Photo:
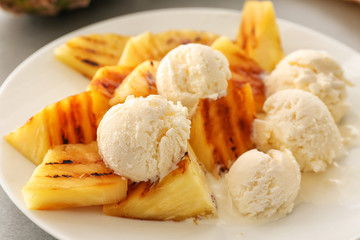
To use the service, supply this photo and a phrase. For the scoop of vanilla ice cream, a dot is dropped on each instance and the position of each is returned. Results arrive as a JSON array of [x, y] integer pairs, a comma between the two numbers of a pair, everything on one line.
[[299, 121], [264, 185], [143, 138], [312, 71], [190, 72]]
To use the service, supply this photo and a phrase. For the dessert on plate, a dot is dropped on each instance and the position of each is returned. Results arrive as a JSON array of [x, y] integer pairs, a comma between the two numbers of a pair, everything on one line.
[[163, 111]]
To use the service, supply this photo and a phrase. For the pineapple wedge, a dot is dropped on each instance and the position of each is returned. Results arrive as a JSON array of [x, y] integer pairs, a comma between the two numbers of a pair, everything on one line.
[[173, 38], [87, 54], [182, 194], [139, 49], [107, 79], [140, 83], [259, 35], [243, 69], [71, 120], [73, 175], [221, 129]]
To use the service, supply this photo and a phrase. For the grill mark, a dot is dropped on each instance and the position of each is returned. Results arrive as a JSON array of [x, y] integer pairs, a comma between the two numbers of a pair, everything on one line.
[[213, 131], [204, 106], [170, 41], [239, 107], [247, 65], [110, 80], [150, 80], [91, 117], [185, 41], [64, 139], [63, 123], [75, 115], [243, 35], [93, 40], [183, 164], [67, 161], [72, 122], [59, 176], [96, 174], [146, 188], [90, 62], [90, 51], [253, 35], [249, 72], [87, 175], [244, 120], [223, 115]]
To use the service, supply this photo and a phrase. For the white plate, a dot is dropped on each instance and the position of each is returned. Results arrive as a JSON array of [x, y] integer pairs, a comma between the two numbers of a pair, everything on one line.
[[41, 80]]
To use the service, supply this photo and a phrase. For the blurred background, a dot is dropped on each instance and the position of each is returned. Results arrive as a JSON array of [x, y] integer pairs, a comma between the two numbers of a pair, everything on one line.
[[21, 35]]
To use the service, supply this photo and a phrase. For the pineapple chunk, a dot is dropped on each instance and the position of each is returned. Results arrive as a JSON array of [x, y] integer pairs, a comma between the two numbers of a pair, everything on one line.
[[107, 79], [221, 129], [244, 70], [140, 83], [87, 54], [73, 175], [139, 49], [259, 35], [182, 194], [71, 120], [173, 38]]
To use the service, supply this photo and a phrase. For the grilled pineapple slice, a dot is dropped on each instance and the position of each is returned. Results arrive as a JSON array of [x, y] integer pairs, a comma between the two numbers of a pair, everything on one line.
[[87, 54], [221, 129], [71, 120], [73, 175], [140, 83], [259, 35], [244, 70], [107, 79], [171, 39], [182, 194]]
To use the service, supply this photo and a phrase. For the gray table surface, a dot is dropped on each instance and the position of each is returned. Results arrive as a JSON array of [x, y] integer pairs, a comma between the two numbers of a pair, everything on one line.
[[22, 36]]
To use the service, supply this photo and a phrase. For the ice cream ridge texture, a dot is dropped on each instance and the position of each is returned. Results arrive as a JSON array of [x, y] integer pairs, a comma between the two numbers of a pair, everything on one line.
[[315, 72], [191, 72], [299, 121], [264, 185], [144, 138]]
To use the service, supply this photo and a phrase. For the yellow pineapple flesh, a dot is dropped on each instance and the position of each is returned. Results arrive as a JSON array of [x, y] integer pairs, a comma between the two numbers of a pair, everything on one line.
[[107, 79], [71, 120], [182, 194], [73, 175], [87, 54], [139, 49], [171, 39], [243, 69], [221, 129], [140, 83], [259, 35]]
